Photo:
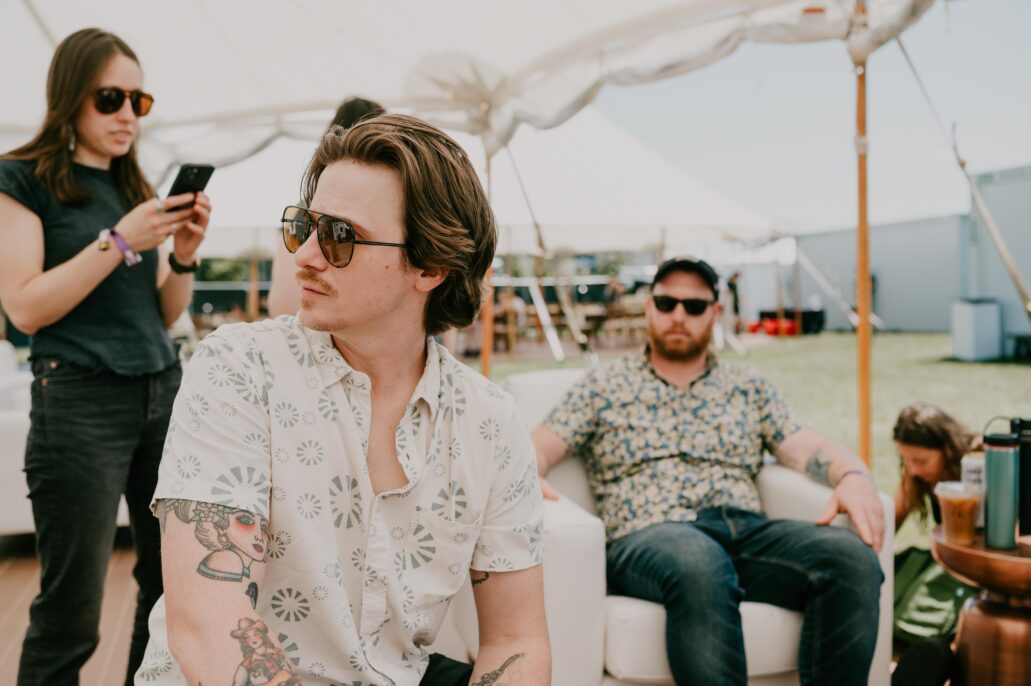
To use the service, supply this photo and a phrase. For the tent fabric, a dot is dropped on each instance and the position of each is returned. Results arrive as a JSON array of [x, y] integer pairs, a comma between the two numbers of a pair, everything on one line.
[[593, 187], [231, 75]]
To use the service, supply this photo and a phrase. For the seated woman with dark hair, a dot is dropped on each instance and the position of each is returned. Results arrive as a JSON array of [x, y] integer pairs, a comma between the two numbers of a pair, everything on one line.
[[931, 445]]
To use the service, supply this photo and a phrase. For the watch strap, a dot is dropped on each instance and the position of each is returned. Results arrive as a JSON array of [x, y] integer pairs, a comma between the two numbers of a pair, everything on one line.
[[180, 268]]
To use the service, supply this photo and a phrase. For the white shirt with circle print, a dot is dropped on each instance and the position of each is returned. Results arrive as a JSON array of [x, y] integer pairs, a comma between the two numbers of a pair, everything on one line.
[[271, 419]]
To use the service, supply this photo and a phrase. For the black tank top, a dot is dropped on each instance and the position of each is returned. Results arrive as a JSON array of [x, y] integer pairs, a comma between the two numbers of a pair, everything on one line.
[[118, 326]]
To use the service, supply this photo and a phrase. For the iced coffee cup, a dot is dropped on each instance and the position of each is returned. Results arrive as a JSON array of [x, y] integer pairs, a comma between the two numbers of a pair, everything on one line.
[[958, 503]]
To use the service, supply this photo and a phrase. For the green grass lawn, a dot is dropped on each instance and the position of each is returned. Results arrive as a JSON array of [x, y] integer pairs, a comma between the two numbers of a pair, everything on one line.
[[818, 376]]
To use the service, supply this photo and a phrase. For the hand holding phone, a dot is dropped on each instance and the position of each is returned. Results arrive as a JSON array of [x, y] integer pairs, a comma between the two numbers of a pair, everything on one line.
[[192, 178]]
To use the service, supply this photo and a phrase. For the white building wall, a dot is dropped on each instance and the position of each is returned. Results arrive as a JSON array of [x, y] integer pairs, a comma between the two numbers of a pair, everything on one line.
[[915, 265], [1008, 195]]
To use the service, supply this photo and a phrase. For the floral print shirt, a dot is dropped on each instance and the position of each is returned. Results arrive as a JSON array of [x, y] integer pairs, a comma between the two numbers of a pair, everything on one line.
[[655, 454], [271, 419]]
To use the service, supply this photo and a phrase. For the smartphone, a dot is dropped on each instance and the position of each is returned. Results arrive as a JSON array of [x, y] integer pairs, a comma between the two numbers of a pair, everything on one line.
[[192, 178]]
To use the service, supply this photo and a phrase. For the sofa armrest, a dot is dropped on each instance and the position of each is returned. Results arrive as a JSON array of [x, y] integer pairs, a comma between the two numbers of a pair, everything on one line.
[[574, 595], [787, 494]]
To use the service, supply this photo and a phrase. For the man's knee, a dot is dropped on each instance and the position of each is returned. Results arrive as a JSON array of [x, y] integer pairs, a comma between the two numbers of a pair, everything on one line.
[[845, 558]]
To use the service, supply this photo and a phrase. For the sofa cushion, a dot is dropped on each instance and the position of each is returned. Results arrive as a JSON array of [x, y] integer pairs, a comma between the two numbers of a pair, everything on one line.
[[635, 639]]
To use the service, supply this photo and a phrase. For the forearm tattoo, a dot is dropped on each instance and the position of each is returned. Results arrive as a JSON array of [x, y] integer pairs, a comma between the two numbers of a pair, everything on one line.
[[493, 677], [819, 467], [263, 661], [477, 580], [236, 538]]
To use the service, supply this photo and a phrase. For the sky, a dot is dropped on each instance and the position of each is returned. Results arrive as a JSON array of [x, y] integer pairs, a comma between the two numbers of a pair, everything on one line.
[[773, 125]]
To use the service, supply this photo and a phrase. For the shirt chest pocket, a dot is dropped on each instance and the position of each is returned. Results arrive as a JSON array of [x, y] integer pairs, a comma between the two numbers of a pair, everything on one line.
[[437, 555]]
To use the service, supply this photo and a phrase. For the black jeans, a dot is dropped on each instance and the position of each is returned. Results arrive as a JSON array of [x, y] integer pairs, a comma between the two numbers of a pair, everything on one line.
[[703, 570], [443, 671], [94, 436]]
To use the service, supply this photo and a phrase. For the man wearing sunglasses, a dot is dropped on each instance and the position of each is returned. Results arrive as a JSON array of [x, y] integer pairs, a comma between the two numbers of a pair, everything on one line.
[[332, 478], [672, 440]]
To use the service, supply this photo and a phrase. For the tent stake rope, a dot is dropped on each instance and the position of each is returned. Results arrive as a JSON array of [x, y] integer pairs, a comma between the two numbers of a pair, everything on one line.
[[982, 207]]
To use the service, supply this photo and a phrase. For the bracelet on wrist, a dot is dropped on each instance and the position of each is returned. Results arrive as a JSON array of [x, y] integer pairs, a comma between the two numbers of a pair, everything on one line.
[[180, 268], [129, 256], [860, 472]]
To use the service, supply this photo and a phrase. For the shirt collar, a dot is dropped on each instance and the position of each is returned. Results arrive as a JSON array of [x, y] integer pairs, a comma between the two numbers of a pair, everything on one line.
[[644, 360], [332, 367]]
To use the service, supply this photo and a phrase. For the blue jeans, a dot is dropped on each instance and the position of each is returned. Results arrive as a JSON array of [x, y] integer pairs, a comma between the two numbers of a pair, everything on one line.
[[94, 435], [701, 571]]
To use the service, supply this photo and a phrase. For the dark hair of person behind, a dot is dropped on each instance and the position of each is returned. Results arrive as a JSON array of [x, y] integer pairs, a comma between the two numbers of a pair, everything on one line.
[[73, 76], [449, 225], [353, 110], [927, 426]]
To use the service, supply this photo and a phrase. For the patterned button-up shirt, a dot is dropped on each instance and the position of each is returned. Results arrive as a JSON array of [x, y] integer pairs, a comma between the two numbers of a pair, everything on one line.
[[271, 419], [657, 454]]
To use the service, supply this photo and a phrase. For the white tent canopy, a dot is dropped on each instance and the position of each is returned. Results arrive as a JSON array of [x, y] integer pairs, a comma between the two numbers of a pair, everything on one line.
[[592, 186], [229, 75]]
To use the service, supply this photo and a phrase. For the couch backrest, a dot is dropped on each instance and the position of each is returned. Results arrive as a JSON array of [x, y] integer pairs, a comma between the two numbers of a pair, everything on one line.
[[536, 393]]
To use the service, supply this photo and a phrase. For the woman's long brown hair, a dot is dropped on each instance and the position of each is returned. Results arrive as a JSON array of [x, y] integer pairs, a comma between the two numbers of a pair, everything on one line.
[[927, 426], [73, 75]]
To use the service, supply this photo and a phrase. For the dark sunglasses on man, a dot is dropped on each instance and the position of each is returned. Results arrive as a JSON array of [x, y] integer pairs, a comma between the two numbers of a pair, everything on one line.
[[336, 236], [692, 306], [110, 100]]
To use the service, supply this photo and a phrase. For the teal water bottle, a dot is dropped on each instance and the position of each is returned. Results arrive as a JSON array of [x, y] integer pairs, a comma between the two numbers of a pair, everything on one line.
[[1002, 468]]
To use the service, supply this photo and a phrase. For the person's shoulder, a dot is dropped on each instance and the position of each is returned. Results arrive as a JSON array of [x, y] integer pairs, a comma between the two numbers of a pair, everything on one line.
[[19, 176], [242, 340], [743, 375], [474, 388]]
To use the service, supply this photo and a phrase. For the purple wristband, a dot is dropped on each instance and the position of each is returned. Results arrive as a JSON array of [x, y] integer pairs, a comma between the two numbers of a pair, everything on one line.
[[130, 256]]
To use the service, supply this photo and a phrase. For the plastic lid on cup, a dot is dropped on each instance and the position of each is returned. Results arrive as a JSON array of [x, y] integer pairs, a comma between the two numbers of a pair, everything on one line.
[[1002, 440], [956, 489]]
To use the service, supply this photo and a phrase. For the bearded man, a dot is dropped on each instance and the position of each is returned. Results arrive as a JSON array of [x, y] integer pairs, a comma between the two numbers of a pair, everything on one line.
[[672, 440]]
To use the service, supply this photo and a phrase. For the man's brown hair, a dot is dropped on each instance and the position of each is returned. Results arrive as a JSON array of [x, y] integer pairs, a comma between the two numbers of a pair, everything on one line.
[[448, 223]]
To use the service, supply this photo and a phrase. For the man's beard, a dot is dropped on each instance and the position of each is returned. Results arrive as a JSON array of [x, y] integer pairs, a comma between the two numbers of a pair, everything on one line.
[[683, 350]]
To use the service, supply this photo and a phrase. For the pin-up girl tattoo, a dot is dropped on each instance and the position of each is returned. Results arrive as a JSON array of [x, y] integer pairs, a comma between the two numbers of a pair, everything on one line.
[[236, 538]]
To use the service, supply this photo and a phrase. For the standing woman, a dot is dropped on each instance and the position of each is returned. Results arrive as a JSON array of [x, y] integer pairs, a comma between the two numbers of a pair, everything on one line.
[[84, 272]]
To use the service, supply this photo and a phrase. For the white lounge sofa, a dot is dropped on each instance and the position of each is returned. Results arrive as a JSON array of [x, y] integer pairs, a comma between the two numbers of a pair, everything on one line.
[[619, 641], [15, 399]]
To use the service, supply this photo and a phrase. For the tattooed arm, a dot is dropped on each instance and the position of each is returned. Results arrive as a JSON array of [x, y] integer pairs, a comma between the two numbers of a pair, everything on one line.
[[213, 561], [834, 465], [514, 646]]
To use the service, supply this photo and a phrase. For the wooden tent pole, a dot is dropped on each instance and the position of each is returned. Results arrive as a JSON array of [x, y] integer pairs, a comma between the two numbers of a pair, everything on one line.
[[863, 289]]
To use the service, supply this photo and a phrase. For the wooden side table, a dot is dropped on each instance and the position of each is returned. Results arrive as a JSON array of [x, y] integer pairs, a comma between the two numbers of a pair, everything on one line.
[[994, 634]]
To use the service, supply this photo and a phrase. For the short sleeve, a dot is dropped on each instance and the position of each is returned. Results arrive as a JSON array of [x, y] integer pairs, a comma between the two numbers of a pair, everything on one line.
[[575, 418], [18, 180], [511, 536], [217, 446], [776, 418]]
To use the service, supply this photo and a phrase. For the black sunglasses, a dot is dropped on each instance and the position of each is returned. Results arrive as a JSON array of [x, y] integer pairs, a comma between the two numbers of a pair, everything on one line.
[[110, 100], [336, 236], [692, 306]]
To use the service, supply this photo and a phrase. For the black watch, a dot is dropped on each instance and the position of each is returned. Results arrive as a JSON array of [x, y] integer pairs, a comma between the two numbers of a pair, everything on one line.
[[182, 268]]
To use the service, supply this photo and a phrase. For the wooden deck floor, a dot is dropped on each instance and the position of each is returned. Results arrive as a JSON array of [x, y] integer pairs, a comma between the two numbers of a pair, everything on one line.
[[19, 584]]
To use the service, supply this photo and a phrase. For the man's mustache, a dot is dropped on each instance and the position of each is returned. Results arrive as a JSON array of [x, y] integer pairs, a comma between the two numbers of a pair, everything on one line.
[[308, 278]]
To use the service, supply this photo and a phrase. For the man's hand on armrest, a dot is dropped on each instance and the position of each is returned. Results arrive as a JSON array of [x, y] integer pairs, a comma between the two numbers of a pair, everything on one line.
[[832, 464], [213, 561], [514, 645], [550, 449]]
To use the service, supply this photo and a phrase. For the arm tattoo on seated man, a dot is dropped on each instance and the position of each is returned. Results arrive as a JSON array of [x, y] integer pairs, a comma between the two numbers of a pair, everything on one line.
[[236, 539], [819, 467], [478, 580], [493, 677]]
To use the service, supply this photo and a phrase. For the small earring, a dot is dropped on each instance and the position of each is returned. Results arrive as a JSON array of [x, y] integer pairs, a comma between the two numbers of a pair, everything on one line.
[[71, 138]]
